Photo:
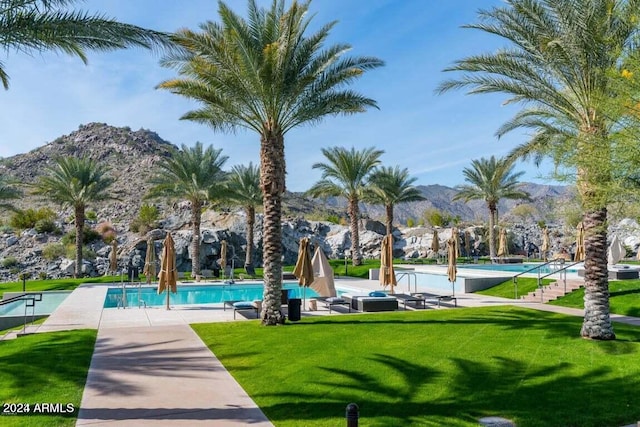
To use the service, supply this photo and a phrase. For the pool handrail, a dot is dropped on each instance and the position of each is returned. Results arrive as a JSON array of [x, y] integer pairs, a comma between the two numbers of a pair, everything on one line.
[[30, 299], [560, 261]]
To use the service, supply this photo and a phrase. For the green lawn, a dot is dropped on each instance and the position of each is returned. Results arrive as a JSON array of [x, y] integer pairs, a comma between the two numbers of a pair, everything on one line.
[[54, 284], [506, 289], [624, 298], [45, 368], [434, 368]]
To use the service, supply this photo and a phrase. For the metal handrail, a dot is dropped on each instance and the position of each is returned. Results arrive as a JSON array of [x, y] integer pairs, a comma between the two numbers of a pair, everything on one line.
[[409, 275], [30, 300], [563, 277], [560, 261]]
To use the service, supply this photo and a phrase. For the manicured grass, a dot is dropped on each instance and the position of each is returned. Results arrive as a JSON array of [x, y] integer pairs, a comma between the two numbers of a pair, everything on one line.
[[45, 368], [506, 289], [54, 284], [624, 298], [434, 368]]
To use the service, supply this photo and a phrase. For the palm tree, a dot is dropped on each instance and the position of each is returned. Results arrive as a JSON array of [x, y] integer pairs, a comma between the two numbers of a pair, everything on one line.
[[391, 186], [490, 180], [346, 174], [560, 64], [75, 182], [37, 25], [7, 192], [196, 175], [244, 189], [264, 73]]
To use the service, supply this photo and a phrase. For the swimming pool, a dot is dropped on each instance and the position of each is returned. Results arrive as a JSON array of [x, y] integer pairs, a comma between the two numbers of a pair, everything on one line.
[[514, 268], [50, 301], [197, 294]]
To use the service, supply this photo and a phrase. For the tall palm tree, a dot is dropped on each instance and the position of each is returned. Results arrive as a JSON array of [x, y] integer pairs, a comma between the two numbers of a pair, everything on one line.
[[38, 25], [194, 174], [8, 192], [75, 182], [559, 64], [266, 73], [346, 174], [490, 180], [244, 189], [391, 186]]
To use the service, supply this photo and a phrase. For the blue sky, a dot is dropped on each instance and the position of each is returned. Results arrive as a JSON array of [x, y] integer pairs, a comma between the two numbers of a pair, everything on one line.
[[434, 136]]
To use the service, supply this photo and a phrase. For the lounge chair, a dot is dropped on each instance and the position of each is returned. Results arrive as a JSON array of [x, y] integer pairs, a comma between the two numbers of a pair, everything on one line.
[[243, 306], [330, 302], [405, 298]]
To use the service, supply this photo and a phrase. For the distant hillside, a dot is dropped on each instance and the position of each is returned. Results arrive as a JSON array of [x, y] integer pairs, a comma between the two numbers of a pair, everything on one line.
[[131, 155]]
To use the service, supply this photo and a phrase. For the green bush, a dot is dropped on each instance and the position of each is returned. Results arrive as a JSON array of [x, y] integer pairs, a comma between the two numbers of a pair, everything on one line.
[[86, 252], [147, 219], [411, 222], [24, 219], [9, 262], [333, 218], [88, 235], [91, 216], [436, 218], [45, 226], [6, 229], [54, 251]]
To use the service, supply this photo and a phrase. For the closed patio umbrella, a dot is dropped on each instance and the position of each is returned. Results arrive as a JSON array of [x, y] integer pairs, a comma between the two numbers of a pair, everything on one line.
[[451, 268], [435, 243], [223, 257], [544, 248], [303, 269], [503, 249], [456, 236], [323, 282], [150, 269], [617, 251], [168, 277], [579, 256], [387, 275], [113, 259]]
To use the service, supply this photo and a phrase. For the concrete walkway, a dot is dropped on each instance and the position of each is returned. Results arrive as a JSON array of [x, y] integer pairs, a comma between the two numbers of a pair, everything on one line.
[[149, 368]]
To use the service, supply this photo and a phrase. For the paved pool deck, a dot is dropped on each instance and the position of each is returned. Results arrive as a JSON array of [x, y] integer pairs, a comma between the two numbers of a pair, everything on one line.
[[149, 368]]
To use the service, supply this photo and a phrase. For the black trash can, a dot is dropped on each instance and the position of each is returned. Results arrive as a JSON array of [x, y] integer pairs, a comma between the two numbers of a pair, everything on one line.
[[133, 273], [294, 308]]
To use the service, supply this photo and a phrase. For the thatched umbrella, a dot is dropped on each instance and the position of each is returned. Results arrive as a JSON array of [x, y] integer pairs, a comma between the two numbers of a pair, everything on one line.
[[451, 268], [168, 277], [503, 247], [387, 275], [150, 269], [303, 269], [579, 256]]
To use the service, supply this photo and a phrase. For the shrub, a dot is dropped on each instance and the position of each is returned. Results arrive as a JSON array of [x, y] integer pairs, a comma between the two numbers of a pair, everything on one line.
[[333, 218], [53, 251], [147, 219], [91, 216], [106, 231], [436, 218], [6, 229], [88, 235], [411, 222], [45, 226], [86, 252], [42, 275], [9, 262], [28, 218]]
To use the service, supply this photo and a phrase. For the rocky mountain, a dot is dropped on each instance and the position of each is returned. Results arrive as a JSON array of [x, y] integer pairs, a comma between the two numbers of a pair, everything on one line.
[[131, 156]]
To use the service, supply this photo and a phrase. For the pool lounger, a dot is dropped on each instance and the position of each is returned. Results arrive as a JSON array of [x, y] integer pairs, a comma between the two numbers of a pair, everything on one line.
[[438, 298], [242, 306], [329, 302], [416, 300]]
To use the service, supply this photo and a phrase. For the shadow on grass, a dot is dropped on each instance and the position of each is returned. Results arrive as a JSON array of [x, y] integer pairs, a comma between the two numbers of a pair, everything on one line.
[[546, 395]]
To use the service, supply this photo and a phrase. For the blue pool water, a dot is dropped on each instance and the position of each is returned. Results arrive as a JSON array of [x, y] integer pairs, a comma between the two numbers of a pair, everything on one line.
[[514, 268], [50, 301], [198, 294]]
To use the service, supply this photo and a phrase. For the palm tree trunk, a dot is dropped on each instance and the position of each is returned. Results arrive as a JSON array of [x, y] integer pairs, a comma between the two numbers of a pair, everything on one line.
[[272, 183], [251, 221], [389, 209], [597, 322], [354, 214], [79, 213], [492, 231], [196, 219]]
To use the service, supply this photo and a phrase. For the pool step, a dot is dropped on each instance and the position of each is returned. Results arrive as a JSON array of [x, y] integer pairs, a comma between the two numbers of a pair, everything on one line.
[[13, 334], [553, 291]]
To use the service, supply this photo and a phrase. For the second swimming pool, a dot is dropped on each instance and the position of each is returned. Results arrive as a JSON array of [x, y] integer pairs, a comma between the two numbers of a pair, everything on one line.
[[197, 294]]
